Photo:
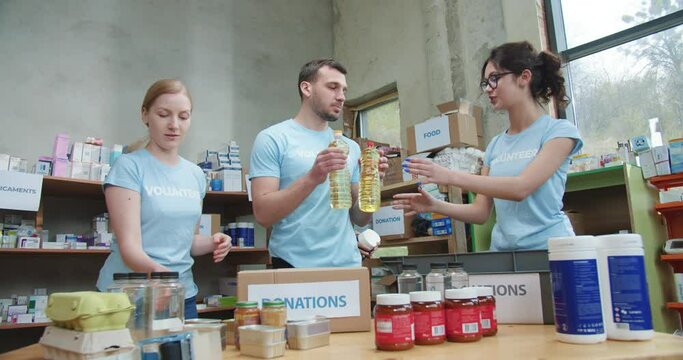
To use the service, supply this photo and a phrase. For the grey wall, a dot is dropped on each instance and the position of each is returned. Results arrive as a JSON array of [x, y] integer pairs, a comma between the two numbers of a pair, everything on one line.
[[83, 66], [432, 49]]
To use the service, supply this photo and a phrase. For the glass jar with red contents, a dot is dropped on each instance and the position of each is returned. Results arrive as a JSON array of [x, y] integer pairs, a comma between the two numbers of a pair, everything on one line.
[[394, 323], [462, 315], [487, 305], [430, 317]]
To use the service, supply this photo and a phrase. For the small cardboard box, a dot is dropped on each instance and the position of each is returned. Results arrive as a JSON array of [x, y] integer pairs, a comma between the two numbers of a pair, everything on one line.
[[460, 125], [395, 173], [341, 294], [392, 224], [209, 224]]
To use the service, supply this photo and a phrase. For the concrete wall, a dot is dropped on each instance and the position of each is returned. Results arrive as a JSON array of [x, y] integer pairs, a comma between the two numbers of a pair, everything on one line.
[[83, 66], [432, 49]]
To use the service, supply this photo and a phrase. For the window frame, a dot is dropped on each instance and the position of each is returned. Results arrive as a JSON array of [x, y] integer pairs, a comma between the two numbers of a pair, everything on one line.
[[360, 126], [558, 44]]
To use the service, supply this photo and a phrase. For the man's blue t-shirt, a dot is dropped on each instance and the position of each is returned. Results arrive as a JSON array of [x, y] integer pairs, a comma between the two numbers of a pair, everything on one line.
[[170, 207], [527, 224], [314, 234]]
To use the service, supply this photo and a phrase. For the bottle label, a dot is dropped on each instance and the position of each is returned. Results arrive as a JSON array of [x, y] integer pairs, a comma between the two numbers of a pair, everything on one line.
[[628, 289], [392, 329], [429, 324], [463, 321], [576, 296], [488, 317]]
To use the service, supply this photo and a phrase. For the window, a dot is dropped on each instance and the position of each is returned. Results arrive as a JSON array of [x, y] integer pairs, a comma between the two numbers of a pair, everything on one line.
[[379, 120], [624, 67]]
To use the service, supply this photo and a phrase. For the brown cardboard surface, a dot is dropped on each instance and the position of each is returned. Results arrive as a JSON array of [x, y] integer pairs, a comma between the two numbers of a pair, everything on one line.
[[462, 132], [394, 173], [287, 276]]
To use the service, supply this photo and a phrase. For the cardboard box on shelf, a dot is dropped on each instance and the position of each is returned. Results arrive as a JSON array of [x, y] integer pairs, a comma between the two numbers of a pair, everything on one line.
[[460, 125], [209, 224], [392, 224], [341, 294], [395, 173]]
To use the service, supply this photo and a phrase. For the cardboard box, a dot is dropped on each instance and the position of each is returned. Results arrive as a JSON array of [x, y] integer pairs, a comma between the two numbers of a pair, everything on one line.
[[209, 224], [460, 125], [395, 173], [392, 224], [341, 294]]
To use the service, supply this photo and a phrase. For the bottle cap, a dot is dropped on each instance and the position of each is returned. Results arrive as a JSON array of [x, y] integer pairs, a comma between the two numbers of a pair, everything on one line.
[[425, 296], [393, 299]]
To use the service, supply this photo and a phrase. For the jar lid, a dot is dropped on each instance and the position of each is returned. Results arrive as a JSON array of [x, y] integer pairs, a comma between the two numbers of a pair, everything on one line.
[[619, 241], [120, 276], [463, 293], [137, 276], [273, 303], [243, 304], [393, 299], [572, 243], [439, 265], [456, 264], [484, 291], [424, 296]]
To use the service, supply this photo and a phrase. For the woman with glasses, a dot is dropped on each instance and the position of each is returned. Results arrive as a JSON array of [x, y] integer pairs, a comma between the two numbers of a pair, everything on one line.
[[525, 167]]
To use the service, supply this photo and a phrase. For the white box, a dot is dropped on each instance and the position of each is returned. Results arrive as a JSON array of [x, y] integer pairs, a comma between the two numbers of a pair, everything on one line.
[[29, 242], [388, 221], [647, 164], [232, 179], [23, 318], [105, 153], [77, 152], [87, 155], [95, 171], [4, 162], [14, 163], [80, 170], [660, 153], [663, 168], [54, 245]]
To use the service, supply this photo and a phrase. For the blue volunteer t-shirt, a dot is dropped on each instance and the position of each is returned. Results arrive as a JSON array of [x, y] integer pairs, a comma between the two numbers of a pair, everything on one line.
[[527, 224], [170, 207], [314, 234]]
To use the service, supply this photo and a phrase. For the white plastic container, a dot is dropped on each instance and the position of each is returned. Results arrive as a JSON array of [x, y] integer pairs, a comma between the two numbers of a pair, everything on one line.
[[369, 239], [264, 351], [64, 344], [308, 334], [577, 299], [206, 340], [625, 298]]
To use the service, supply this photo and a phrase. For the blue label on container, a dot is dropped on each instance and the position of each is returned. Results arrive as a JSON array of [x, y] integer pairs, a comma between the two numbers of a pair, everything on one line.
[[576, 296], [628, 288]]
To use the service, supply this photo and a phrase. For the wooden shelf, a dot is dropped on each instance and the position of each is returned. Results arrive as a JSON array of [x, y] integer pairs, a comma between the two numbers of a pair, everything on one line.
[[248, 249], [9, 326], [415, 240], [669, 207], [667, 181], [67, 187], [676, 261], [398, 188], [52, 251], [223, 196], [211, 309]]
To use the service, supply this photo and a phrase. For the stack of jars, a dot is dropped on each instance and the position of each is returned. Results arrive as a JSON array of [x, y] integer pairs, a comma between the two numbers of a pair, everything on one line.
[[261, 332], [424, 318]]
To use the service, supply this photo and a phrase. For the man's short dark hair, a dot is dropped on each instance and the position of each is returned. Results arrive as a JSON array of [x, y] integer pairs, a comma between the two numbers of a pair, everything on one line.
[[310, 70]]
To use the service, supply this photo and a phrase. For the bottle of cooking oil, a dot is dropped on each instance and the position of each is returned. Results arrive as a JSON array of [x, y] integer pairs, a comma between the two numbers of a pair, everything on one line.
[[340, 180], [369, 193]]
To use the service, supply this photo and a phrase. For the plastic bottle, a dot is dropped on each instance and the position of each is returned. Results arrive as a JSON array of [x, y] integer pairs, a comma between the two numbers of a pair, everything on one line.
[[340, 180], [120, 280], [370, 187], [409, 279], [625, 298], [168, 302], [139, 294], [577, 297], [456, 276], [436, 279]]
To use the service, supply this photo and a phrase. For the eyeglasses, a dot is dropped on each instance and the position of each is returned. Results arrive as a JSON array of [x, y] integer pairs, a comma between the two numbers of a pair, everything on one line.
[[492, 80]]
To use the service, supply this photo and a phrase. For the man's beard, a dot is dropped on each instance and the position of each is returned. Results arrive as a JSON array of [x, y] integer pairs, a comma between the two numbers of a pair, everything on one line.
[[317, 109]]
